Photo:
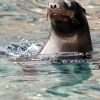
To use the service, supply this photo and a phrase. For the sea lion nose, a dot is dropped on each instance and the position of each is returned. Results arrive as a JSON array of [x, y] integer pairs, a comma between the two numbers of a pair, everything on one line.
[[53, 5]]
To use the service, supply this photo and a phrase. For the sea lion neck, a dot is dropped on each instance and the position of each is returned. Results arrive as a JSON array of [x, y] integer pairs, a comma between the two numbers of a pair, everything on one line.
[[63, 29], [56, 44]]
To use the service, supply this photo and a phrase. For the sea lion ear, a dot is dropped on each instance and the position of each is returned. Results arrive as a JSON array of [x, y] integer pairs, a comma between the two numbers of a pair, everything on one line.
[[84, 11]]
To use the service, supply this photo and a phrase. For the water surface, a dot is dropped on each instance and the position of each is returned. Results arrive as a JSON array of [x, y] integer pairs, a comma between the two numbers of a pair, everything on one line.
[[23, 23]]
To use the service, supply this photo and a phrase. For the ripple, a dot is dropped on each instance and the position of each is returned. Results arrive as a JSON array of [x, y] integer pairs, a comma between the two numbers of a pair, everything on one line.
[[40, 3], [42, 79], [94, 3], [7, 67]]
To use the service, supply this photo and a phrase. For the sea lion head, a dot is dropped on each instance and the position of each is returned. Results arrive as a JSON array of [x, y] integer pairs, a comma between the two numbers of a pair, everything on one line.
[[67, 17]]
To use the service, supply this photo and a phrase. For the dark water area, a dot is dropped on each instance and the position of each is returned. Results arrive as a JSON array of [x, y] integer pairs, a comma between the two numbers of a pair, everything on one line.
[[23, 27]]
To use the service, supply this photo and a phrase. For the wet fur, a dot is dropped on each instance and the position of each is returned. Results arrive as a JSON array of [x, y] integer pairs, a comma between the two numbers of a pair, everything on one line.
[[70, 29]]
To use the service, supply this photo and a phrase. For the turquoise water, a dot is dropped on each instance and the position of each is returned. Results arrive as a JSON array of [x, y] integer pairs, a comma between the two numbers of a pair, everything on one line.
[[23, 23]]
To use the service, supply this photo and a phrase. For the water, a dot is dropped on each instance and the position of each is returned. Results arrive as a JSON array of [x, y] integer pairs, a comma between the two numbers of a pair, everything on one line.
[[22, 24]]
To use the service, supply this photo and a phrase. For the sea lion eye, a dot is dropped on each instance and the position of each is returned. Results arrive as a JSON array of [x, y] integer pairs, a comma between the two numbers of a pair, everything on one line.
[[72, 7], [68, 3]]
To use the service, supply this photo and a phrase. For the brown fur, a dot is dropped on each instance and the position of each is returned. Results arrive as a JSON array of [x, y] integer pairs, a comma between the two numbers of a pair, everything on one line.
[[70, 29]]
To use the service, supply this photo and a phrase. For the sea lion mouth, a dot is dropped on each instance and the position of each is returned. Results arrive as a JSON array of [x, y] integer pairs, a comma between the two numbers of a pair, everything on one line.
[[59, 16]]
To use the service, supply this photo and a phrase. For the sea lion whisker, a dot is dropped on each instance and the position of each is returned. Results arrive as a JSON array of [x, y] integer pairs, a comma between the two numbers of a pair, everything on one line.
[[76, 20]]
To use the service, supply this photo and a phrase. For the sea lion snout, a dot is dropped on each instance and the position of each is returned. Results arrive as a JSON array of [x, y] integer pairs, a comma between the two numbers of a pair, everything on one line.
[[61, 10], [57, 3]]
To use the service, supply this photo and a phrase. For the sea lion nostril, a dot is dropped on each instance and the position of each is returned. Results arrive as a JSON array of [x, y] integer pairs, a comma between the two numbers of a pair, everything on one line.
[[55, 6], [51, 6]]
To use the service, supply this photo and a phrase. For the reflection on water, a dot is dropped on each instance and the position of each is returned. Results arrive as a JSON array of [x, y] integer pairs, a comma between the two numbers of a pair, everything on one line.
[[22, 24], [71, 75]]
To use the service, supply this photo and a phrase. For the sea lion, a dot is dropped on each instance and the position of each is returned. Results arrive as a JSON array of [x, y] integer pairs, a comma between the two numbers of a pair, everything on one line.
[[70, 29]]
